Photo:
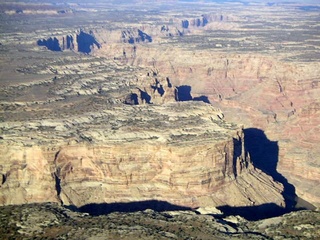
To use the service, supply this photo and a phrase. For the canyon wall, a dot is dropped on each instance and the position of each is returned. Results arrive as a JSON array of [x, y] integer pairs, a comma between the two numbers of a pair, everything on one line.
[[197, 174], [277, 96], [112, 80], [180, 152], [267, 92], [122, 134]]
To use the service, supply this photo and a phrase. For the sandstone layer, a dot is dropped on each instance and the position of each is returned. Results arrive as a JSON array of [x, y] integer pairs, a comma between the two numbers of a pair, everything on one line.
[[182, 153], [104, 109], [269, 84], [102, 132]]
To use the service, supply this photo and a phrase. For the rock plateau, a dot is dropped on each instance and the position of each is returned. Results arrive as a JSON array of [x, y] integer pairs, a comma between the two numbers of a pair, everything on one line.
[[192, 108]]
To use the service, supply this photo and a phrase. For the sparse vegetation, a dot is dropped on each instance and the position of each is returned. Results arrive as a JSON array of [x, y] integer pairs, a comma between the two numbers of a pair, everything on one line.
[[64, 224]]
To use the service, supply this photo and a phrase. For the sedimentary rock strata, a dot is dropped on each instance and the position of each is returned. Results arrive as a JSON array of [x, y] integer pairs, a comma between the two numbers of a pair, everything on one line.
[[100, 132], [130, 114], [177, 152]]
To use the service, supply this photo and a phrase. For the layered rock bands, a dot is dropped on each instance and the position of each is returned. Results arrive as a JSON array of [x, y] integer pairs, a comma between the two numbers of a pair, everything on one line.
[[199, 162]]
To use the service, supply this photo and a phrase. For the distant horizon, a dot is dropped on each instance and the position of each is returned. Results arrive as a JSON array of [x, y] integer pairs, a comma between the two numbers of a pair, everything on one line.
[[203, 1]]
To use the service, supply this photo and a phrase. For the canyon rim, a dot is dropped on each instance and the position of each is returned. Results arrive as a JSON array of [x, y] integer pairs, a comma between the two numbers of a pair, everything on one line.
[[172, 104]]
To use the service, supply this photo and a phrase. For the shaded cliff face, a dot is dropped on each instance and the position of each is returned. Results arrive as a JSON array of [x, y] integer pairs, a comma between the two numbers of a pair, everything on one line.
[[50, 43], [86, 42], [82, 42]]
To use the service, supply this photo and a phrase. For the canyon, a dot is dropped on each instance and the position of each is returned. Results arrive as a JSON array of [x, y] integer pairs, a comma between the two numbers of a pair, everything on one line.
[[177, 151], [186, 104]]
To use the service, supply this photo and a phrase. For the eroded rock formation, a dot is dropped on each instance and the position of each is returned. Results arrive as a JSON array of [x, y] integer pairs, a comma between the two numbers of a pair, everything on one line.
[[81, 42], [27, 176], [67, 109], [146, 158], [181, 152]]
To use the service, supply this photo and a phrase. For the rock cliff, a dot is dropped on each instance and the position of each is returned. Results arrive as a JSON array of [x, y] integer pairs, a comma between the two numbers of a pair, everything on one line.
[[94, 143], [254, 89], [81, 42], [182, 153], [145, 85]]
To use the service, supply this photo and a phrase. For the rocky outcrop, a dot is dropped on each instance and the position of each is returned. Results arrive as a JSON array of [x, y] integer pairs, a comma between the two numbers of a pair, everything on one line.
[[164, 146], [183, 153], [129, 172], [198, 22], [135, 36], [54, 221], [155, 89], [81, 42], [26, 176], [50, 43]]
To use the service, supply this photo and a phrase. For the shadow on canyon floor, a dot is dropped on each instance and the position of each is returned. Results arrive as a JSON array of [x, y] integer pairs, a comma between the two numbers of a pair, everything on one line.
[[264, 155], [254, 213], [96, 209], [183, 93]]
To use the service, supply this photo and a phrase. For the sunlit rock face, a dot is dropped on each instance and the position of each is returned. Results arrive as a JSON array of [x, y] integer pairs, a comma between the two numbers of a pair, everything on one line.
[[197, 174], [26, 176], [187, 176], [108, 146], [180, 152]]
